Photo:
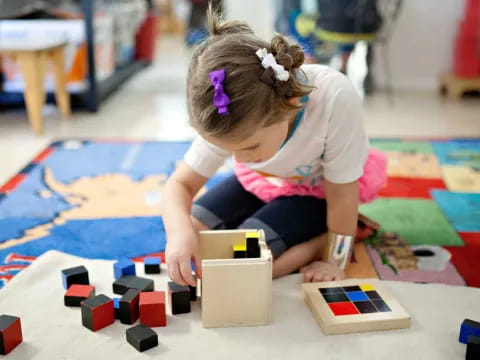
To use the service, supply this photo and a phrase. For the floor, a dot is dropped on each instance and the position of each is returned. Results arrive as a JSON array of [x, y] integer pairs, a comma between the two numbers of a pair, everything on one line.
[[152, 106]]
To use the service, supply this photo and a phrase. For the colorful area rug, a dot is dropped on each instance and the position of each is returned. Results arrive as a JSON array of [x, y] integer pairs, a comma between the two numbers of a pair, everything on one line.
[[102, 199]]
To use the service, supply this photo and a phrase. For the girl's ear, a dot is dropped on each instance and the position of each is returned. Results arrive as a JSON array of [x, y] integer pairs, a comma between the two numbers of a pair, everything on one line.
[[294, 100]]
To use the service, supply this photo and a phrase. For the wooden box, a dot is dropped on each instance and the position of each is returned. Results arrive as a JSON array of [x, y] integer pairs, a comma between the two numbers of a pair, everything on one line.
[[234, 292]]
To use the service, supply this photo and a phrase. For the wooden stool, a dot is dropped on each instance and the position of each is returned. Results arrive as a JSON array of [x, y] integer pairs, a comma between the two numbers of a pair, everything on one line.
[[32, 59], [455, 86]]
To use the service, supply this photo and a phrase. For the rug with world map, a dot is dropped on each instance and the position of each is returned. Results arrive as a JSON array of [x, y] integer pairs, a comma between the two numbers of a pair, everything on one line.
[[103, 199]]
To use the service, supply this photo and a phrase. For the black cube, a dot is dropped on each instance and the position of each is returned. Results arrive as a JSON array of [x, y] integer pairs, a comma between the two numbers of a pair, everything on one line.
[[179, 298], [141, 337]]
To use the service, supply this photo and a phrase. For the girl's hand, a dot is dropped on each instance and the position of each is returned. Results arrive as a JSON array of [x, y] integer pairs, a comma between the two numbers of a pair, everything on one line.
[[321, 271], [182, 248]]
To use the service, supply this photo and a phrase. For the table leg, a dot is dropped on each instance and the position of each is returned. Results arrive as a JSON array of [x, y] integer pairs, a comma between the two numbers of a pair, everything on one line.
[[57, 57], [33, 71]]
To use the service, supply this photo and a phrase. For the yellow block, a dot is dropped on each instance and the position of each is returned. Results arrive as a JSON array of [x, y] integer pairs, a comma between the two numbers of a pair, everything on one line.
[[240, 247], [254, 235], [367, 287]]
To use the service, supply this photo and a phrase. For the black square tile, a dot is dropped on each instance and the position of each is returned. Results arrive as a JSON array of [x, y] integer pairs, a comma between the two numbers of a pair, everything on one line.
[[335, 297], [381, 305], [365, 307], [351, 288], [373, 295], [333, 290]]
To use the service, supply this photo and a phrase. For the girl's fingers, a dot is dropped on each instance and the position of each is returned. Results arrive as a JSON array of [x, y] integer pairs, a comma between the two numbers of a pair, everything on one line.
[[174, 273], [186, 273]]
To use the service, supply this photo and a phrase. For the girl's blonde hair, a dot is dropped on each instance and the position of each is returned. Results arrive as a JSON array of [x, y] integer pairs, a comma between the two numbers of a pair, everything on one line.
[[232, 46]]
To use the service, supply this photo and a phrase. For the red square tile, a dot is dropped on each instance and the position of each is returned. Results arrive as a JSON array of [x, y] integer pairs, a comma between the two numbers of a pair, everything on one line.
[[152, 308], [343, 308], [81, 290]]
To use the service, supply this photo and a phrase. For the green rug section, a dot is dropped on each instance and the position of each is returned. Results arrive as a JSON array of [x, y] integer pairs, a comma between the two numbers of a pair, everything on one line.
[[419, 222], [420, 147]]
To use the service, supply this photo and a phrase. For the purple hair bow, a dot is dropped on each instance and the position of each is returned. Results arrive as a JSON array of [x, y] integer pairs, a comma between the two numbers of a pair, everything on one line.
[[220, 99]]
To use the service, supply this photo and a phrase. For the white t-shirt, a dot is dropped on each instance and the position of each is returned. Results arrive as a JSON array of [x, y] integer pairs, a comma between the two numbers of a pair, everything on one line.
[[329, 142]]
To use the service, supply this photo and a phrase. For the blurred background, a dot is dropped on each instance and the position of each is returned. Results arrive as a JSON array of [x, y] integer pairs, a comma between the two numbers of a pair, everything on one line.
[[123, 64]]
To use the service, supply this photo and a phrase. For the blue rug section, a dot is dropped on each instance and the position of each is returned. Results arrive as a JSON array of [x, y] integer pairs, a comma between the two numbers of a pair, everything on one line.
[[465, 152], [461, 209], [107, 238], [104, 239]]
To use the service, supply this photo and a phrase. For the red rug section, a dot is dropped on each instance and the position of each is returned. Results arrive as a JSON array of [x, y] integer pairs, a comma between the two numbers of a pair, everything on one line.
[[466, 258], [417, 188]]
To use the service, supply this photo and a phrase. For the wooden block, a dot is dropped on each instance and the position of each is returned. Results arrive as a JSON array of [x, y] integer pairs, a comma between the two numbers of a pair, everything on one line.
[[152, 265], [193, 290], [97, 312], [123, 267], [239, 251], [121, 285], [141, 337], [152, 308], [10, 333], [473, 348], [468, 327], [77, 293], [116, 307], [179, 298], [253, 249], [235, 292], [129, 304], [349, 306], [75, 275]]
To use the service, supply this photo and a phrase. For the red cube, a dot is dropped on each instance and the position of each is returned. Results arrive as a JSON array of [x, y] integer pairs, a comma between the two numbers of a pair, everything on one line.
[[97, 312], [10, 333], [152, 308], [76, 293]]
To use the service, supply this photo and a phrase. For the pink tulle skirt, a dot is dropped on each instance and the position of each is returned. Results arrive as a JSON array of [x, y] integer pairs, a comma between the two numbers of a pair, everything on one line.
[[372, 181]]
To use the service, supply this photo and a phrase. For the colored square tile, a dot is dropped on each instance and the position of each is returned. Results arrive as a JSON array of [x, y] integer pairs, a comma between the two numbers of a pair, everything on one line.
[[461, 179], [413, 165], [336, 297], [152, 260], [351, 288], [457, 152], [419, 147], [365, 307], [461, 209], [373, 295], [366, 287], [418, 221], [345, 308], [381, 305], [357, 296], [410, 187], [332, 290]]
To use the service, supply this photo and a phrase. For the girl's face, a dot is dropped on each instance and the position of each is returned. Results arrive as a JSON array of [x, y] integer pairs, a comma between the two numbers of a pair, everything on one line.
[[259, 147]]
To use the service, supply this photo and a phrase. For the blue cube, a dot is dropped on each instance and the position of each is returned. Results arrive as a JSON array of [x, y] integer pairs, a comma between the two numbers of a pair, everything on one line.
[[116, 307], [469, 327], [152, 265], [123, 267], [75, 275]]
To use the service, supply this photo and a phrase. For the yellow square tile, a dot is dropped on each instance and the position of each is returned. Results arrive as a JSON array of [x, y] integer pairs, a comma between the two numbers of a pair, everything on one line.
[[367, 287], [240, 247], [254, 235]]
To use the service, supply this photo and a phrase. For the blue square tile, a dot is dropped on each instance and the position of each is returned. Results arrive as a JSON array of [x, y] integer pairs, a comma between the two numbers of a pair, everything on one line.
[[357, 296], [152, 261]]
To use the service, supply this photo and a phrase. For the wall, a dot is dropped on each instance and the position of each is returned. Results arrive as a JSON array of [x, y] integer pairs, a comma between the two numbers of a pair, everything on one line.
[[259, 14], [421, 46]]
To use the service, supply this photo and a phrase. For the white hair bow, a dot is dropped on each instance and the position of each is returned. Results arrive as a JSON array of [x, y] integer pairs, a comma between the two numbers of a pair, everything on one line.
[[268, 60]]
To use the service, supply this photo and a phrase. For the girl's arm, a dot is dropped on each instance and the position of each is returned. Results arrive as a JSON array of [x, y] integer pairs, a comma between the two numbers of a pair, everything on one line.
[[182, 239], [342, 207]]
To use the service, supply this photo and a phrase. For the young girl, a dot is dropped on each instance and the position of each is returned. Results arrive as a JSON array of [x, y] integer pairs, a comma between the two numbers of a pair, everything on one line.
[[302, 158]]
